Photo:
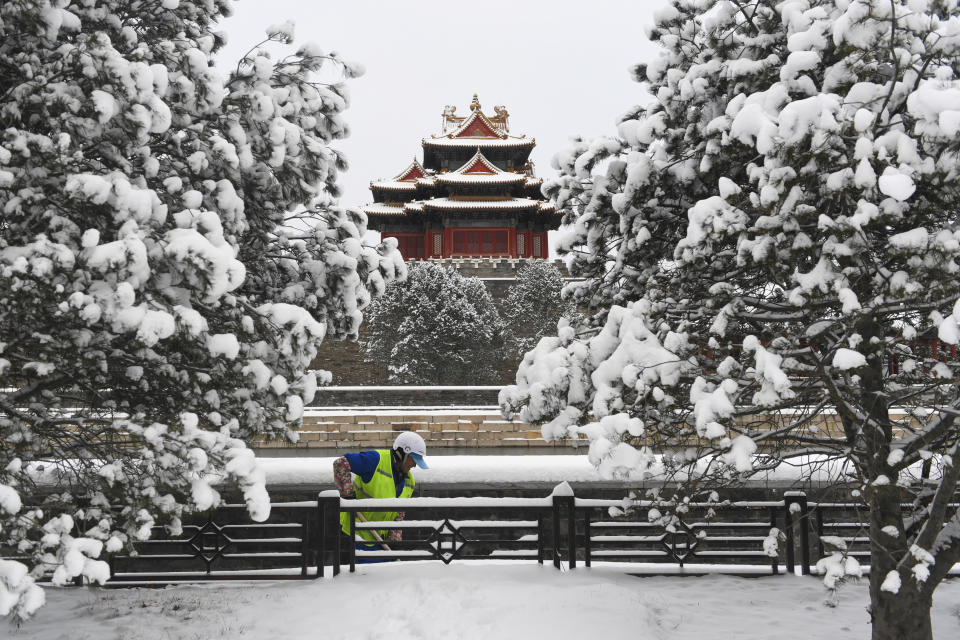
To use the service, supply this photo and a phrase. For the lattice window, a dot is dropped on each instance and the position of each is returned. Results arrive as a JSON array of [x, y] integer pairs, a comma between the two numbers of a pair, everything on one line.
[[476, 243], [521, 244], [411, 246], [537, 248], [437, 244]]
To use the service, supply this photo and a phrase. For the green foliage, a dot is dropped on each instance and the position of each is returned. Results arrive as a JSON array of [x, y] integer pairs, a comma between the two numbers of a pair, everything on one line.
[[437, 327], [533, 305]]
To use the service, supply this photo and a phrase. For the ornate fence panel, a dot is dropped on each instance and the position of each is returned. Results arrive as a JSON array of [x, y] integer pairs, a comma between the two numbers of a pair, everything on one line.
[[302, 539], [850, 523], [567, 530], [731, 535], [443, 529], [225, 545]]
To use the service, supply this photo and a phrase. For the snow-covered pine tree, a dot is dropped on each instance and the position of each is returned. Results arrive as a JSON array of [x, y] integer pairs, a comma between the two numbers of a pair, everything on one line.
[[169, 261], [775, 240], [437, 327], [533, 305]]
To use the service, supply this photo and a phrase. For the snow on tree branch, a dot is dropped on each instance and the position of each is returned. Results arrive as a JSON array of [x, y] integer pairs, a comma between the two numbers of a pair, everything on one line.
[[157, 307], [771, 249]]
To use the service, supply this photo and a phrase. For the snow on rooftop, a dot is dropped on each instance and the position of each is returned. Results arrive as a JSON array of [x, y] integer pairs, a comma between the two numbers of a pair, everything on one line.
[[381, 209], [512, 141], [485, 123], [479, 170], [481, 178], [449, 203], [394, 184]]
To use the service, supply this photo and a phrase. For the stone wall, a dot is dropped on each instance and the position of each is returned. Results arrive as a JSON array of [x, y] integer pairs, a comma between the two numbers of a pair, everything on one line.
[[332, 432], [405, 396], [457, 431]]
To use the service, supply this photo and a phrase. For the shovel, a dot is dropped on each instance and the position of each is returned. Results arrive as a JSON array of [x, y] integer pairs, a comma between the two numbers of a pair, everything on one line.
[[376, 536]]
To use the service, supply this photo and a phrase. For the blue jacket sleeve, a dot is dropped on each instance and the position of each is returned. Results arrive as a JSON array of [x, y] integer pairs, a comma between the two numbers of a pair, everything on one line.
[[363, 464]]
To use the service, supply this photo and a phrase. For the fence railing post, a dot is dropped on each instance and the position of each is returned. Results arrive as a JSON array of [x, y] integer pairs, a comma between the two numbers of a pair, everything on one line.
[[305, 547], [328, 524], [555, 545], [820, 550], [570, 503], [788, 532], [587, 549], [775, 560], [796, 502], [321, 535], [353, 541], [541, 534]]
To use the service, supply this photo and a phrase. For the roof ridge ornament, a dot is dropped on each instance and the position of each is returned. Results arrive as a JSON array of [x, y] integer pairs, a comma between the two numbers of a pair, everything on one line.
[[475, 105]]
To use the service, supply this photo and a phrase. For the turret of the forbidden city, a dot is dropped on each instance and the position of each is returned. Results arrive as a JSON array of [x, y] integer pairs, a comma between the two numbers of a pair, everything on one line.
[[474, 196]]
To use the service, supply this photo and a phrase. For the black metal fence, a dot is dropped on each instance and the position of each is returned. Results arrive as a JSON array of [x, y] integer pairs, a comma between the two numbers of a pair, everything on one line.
[[567, 530], [303, 540], [225, 545]]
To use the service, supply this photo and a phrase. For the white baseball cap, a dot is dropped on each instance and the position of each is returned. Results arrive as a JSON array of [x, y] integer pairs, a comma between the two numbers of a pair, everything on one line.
[[413, 445]]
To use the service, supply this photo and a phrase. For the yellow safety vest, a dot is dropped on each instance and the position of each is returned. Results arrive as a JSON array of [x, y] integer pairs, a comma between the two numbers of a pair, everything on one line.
[[381, 485]]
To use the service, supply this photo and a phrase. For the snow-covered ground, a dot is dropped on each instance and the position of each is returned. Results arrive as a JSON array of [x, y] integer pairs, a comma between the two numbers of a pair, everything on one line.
[[464, 601]]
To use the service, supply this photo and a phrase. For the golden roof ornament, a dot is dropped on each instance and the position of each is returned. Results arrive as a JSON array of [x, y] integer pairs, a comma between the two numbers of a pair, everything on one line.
[[475, 105]]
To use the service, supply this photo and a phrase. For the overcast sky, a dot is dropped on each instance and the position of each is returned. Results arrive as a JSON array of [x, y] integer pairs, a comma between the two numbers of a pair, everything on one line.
[[560, 67]]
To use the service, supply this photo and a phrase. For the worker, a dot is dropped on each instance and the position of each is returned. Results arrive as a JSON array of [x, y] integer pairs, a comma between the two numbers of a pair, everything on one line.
[[380, 473]]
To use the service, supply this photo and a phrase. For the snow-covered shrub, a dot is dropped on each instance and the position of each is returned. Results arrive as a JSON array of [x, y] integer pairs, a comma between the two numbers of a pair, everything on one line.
[[437, 327], [170, 258], [772, 246], [837, 566]]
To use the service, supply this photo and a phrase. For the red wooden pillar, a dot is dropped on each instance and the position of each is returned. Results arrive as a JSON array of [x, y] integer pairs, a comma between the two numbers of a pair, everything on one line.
[[512, 242]]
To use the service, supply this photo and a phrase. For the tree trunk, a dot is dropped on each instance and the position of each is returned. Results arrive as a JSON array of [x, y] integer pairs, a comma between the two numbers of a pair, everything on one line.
[[906, 614], [900, 616]]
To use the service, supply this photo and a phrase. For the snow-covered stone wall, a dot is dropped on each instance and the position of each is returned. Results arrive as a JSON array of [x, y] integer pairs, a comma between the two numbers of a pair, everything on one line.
[[453, 430]]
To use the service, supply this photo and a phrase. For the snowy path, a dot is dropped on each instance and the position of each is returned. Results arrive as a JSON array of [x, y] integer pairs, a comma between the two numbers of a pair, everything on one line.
[[488, 602]]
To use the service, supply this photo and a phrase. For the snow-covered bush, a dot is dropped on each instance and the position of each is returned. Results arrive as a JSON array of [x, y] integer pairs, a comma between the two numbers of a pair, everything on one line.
[[533, 305], [772, 246], [437, 327], [170, 258]]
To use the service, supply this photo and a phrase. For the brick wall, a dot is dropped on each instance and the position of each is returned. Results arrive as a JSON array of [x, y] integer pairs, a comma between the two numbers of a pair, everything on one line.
[[332, 433], [405, 396]]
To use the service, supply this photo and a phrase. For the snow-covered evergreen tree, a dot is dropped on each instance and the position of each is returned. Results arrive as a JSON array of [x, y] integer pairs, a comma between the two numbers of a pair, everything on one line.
[[772, 243], [170, 258], [533, 305], [437, 327]]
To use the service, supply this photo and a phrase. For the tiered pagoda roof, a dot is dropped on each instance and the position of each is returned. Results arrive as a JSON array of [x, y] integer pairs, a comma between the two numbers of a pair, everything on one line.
[[479, 170], [475, 174], [477, 130]]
